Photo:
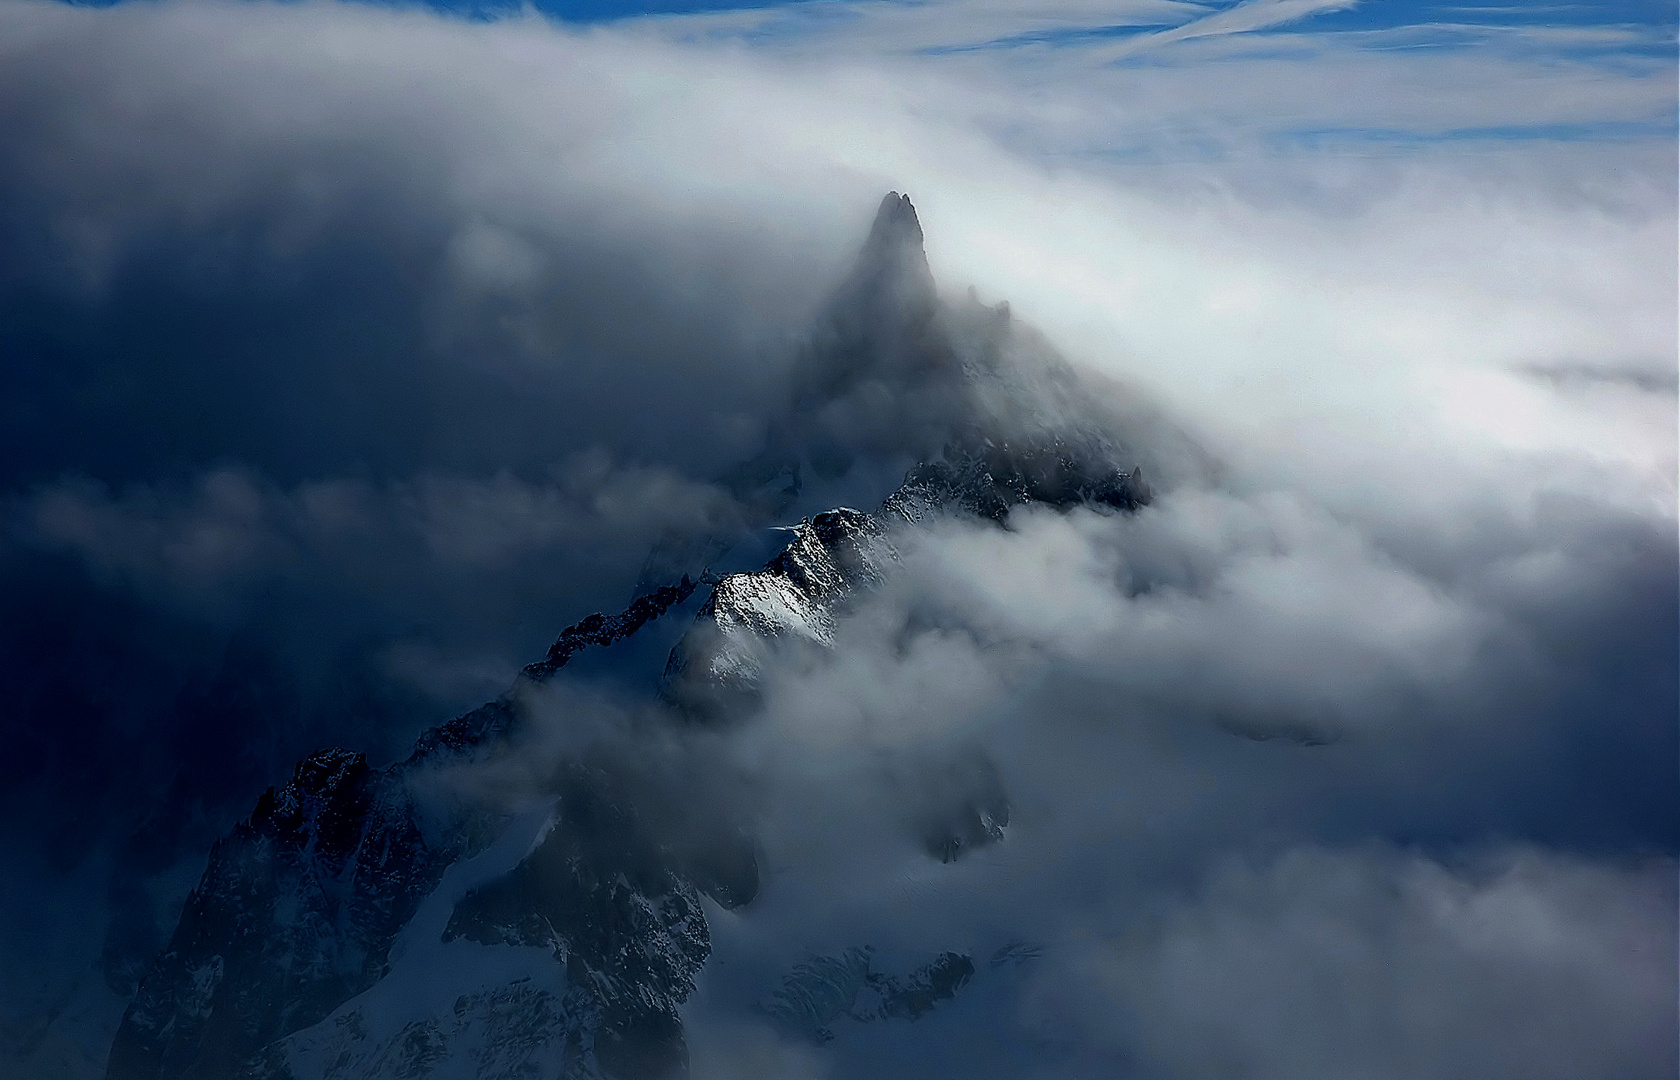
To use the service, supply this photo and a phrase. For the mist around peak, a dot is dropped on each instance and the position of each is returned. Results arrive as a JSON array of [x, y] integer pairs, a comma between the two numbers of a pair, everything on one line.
[[507, 570]]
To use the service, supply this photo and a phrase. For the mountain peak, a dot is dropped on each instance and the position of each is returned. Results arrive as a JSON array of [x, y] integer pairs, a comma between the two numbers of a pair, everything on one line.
[[896, 225], [878, 315], [893, 262]]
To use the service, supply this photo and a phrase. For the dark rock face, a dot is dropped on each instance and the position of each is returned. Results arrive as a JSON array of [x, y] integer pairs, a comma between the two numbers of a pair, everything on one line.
[[617, 913], [712, 672], [824, 990], [918, 993], [988, 480], [298, 908], [296, 913], [879, 324], [605, 630]]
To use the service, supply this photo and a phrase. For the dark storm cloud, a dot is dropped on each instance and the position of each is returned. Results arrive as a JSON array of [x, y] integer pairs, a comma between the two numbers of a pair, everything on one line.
[[308, 366], [324, 404], [231, 531], [281, 258]]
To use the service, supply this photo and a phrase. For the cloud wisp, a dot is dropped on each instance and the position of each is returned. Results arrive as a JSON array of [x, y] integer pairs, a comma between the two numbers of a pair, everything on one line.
[[1243, 18]]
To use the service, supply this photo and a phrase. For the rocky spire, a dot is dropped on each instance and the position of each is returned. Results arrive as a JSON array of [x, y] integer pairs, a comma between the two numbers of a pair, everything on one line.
[[890, 283], [893, 264], [876, 324]]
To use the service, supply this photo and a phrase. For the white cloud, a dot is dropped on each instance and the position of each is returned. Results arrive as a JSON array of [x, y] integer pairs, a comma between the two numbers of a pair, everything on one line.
[[1388, 965]]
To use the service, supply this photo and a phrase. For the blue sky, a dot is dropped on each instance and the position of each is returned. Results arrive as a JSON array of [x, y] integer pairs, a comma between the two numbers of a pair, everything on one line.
[[1620, 42], [1290, 72], [1369, 15], [1435, 24], [1584, 53]]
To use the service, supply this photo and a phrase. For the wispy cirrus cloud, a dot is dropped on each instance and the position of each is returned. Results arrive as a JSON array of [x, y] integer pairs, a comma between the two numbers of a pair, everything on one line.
[[896, 26], [1071, 78], [1246, 17]]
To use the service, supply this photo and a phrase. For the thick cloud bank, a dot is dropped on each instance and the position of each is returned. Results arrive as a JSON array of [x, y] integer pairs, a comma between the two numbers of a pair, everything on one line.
[[348, 354]]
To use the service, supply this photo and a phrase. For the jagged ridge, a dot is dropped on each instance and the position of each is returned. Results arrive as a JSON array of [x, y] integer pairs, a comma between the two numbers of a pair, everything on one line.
[[298, 908], [599, 629]]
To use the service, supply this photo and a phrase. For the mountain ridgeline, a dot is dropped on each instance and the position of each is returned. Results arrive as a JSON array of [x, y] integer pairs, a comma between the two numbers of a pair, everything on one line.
[[338, 933]]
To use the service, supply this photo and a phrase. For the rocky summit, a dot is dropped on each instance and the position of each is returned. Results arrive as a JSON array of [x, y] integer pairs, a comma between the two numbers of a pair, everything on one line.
[[398, 922]]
